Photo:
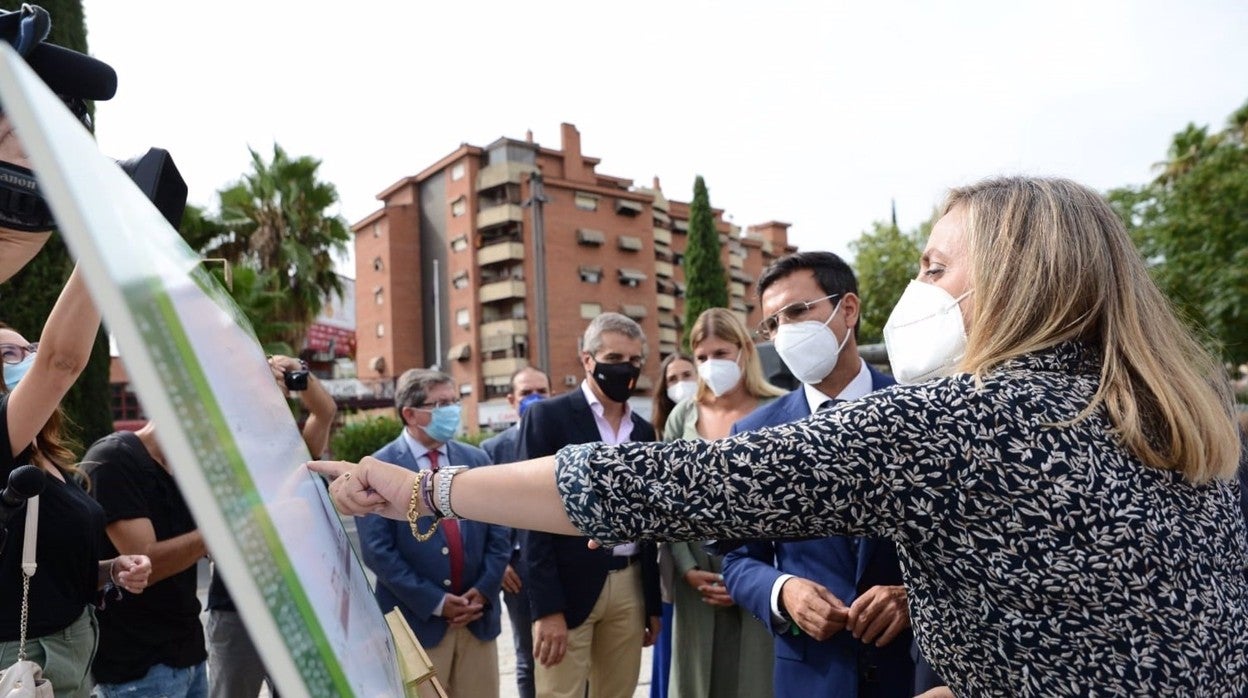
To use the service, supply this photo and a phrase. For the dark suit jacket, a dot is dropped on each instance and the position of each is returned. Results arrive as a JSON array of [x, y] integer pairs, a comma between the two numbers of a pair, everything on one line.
[[847, 566], [504, 446], [563, 575], [414, 576]]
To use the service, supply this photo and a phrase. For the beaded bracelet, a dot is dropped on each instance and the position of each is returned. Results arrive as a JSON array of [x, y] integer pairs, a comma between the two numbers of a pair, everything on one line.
[[412, 509], [426, 495]]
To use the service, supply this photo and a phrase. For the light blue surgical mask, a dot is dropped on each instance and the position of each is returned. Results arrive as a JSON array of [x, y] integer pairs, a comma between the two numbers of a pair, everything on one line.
[[444, 423], [15, 372]]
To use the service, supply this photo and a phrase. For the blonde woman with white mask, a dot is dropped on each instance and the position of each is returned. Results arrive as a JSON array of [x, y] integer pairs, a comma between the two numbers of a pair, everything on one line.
[[723, 651], [1061, 490]]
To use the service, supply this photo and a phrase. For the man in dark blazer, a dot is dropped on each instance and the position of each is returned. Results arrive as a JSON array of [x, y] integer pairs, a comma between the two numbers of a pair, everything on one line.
[[593, 610], [528, 385], [447, 587], [828, 601]]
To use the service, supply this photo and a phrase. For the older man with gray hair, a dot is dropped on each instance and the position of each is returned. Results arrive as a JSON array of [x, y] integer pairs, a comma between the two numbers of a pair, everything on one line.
[[446, 585], [594, 609]]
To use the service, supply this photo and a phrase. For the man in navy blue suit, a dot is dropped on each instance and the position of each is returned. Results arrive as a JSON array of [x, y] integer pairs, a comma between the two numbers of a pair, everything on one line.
[[593, 610], [447, 587], [836, 605], [528, 385]]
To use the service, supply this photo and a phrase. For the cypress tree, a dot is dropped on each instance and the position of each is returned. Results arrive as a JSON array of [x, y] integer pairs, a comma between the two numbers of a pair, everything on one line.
[[30, 294], [706, 284]]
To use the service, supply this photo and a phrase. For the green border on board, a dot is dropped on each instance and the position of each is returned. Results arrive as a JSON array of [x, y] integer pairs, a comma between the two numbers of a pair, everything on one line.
[[234, 489]]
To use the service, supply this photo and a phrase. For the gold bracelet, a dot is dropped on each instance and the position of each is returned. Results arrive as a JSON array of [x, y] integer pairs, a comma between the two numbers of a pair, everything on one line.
[[413, 509]]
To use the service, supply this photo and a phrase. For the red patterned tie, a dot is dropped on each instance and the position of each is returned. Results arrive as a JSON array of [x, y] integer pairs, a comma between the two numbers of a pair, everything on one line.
[[454, 545]]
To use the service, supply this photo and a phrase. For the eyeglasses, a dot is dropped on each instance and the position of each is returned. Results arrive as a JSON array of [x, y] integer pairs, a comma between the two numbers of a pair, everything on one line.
[[16, 353], [789, 313], [436, 405]]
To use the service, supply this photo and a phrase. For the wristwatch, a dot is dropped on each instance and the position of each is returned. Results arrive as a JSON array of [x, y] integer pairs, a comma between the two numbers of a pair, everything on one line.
[[444, 489]]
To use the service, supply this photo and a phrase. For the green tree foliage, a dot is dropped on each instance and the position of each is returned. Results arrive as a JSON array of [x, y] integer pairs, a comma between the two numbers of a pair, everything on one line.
[[274, 221], [30, 295], [1191, 224], [706, 284], [363, 438], [885, 260]]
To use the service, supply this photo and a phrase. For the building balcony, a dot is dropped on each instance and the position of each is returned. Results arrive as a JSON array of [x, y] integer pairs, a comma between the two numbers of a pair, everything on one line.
[[736, 289], [509, 328], [663, 236], [502, 290], [502, 173], [668, 335], [664, 302], [635, 311], [502, 367], [504, 252], [491, 343], [663, 270], [499, 215], [736, 261]]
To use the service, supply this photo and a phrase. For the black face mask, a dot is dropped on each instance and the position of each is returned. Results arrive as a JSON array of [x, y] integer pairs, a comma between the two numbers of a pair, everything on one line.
[[616, 380]]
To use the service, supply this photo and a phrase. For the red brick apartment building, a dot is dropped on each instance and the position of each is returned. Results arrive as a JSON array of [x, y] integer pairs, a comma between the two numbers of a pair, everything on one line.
[[496, 258]]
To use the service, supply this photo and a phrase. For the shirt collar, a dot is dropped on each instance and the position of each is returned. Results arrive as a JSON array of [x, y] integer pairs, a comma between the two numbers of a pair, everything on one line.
[[596, 405], [856, 388], [418, 449]]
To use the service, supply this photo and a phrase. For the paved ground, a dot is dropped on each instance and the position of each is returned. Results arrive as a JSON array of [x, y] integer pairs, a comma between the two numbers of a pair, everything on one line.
[[506, 651]]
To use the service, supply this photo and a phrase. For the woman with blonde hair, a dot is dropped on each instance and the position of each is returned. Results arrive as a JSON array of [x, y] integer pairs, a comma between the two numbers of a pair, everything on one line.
[[1057, 468], [724, 651]]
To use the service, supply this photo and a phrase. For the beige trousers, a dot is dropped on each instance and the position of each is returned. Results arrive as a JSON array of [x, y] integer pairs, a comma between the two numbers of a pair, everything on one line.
[[467, 667], [605, 650]]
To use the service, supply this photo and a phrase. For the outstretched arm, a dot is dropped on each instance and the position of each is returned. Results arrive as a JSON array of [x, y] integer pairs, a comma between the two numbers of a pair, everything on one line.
[[374, 487], [64, 348]]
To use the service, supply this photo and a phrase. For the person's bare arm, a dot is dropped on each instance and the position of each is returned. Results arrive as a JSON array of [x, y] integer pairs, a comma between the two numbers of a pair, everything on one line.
[[320, 404], [64, 348], [381, 488], [169, 556]]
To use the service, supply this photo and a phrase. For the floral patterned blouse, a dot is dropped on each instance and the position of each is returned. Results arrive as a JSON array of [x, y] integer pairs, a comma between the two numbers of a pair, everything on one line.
[[1039, 559]]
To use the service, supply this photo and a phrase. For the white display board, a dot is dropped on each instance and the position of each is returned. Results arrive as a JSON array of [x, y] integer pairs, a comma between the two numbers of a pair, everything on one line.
[[223, 425]]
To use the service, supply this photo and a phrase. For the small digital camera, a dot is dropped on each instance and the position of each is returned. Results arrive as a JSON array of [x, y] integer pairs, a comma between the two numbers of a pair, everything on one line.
[[296, 381]]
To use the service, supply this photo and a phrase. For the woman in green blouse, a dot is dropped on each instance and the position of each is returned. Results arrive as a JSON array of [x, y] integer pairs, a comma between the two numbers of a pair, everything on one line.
[[719, 650]]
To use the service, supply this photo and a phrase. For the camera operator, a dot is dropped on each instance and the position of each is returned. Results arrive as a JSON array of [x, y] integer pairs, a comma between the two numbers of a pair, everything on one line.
[[234, 666], [61, 626]]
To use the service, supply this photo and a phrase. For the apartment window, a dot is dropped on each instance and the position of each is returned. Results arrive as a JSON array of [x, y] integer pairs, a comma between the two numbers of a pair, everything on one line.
[[377, 265], [585, 202], [460, 280], [459, 244], [379, 295], [591, 275], [457, 171], [630, 243], [381, 329], [376, 230], [461, 318], [459, 207], [632, 277], [589, 311], [590, 238], [624, 207]]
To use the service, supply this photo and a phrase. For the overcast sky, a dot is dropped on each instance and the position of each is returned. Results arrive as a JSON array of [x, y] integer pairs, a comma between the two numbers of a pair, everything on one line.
[[816, 113]]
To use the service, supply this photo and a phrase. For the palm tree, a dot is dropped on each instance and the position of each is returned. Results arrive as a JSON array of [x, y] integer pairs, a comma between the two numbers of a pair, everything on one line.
[[274, 220]]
